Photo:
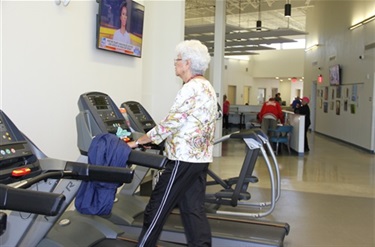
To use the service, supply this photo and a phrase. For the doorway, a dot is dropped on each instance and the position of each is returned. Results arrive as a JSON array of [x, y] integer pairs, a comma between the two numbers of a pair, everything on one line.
[[274, 92], [232, 94], [312, 105], [246, 95], [261, 96], [298, 93]]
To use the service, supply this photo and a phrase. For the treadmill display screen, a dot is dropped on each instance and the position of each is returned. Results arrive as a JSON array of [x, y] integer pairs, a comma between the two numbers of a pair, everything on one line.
[[100, 102], [134, 108]]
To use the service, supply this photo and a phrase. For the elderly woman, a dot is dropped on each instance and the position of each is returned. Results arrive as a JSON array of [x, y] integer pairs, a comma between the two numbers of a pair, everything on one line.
[[189, 133]]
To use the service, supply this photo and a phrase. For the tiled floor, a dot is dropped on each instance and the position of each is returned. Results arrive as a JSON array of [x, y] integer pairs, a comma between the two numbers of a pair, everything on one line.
[[327, 196]]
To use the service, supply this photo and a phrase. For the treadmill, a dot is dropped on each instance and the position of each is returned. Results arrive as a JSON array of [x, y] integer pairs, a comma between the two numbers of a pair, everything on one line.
[[36, 190], [127, 212]]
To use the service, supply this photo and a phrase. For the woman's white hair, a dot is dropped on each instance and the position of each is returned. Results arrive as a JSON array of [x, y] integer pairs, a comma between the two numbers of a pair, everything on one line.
[[197, 53]]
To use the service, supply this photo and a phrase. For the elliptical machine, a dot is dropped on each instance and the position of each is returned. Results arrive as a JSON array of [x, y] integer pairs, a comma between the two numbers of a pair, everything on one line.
[[234, 191]]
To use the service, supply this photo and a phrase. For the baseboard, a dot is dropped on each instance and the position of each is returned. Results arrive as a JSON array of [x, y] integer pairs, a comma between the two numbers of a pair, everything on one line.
[[349, 143]]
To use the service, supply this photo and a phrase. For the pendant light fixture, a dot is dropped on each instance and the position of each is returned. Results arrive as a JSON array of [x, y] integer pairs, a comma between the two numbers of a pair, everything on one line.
[[288, 9], [259, 22]]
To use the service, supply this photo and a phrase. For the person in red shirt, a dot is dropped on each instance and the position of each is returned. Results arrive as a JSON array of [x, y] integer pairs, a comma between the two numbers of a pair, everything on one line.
[[270, 114], [226, 105]]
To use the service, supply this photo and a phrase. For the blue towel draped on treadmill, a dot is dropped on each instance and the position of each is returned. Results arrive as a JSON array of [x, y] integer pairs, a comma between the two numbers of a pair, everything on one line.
[[97, 198]]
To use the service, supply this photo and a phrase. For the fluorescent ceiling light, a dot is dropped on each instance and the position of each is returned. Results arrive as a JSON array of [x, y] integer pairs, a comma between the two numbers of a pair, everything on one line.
[[363, 22], [312, 47]]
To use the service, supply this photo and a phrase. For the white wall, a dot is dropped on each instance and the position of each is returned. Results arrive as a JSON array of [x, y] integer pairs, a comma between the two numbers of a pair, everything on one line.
[[49, 59], [160, 83], [237, 73], [339, 45], [281, 63]]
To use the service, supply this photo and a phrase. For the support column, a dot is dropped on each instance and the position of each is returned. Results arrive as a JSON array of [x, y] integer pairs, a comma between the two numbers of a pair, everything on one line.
[[218, 64]]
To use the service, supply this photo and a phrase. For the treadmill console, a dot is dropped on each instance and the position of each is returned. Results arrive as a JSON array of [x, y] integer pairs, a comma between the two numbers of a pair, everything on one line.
[[102, 107], [140, 119], [98, 114], [17, 160]]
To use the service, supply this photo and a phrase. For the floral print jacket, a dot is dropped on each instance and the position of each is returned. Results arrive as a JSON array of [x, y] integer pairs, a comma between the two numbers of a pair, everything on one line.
[[190, 125]]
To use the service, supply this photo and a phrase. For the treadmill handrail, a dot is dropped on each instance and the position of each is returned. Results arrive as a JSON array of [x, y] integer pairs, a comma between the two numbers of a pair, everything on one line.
[[147, 159], [30, 201], [85, 172]]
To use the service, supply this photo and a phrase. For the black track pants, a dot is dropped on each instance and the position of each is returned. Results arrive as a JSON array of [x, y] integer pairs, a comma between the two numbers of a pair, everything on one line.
[[182, 184]]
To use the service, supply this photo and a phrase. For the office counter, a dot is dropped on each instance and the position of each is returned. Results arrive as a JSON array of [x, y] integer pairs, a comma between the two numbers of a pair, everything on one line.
[[298, 136]]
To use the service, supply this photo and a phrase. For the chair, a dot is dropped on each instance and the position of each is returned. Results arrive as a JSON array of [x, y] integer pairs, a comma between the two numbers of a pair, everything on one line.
[[281, 135]]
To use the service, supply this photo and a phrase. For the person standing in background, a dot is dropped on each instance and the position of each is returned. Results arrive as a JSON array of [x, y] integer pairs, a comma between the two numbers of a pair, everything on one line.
[[305, 110], [296, 103], [188, 131], [270, 114], [226, 106], [278, 98]]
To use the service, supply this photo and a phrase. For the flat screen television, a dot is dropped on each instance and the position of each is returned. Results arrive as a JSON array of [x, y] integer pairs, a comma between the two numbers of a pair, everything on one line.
[[120, 27], [335, 75]]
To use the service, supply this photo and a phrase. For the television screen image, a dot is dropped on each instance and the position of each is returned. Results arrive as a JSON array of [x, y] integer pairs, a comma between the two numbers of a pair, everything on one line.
[[120, 27], [335, 75]]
